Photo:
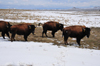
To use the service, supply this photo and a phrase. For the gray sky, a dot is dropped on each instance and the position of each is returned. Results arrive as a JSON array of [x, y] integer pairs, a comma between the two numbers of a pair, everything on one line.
[[49, 3]]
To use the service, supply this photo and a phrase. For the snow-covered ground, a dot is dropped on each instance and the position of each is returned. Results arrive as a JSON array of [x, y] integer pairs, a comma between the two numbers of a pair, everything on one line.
[[89, 19], [20, 53]]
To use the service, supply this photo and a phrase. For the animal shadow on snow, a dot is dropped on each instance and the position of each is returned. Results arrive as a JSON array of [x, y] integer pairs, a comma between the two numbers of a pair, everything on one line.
[[72, 44]]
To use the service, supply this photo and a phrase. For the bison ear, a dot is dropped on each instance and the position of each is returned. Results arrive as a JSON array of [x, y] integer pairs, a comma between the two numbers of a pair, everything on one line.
[[60, 25], [29, 27]]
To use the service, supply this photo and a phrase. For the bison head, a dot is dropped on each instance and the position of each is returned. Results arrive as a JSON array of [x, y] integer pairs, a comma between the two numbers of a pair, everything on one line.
[[87, 31], [8, 27], [61, 27], [32, 28]]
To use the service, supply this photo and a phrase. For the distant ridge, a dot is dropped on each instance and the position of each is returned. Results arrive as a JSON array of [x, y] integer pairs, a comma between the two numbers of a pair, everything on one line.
[[96, 8]]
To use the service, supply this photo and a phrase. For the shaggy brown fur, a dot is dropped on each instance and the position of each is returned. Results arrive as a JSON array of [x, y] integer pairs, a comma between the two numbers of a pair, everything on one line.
[[52, 26], [77, 32], [22, 29], [5, 28]]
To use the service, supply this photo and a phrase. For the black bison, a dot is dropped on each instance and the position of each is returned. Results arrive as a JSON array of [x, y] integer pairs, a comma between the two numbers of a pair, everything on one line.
[[77, 32], [22, 29], [5, 28], [52, 26]]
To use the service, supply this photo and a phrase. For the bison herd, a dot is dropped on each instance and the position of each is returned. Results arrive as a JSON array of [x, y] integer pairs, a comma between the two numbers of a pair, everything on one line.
[[25, 29]]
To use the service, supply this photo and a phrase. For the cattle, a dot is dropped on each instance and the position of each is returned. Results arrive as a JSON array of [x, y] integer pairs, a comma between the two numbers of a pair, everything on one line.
[[22, 29], [5, 28], [77, 32], [52, 26]]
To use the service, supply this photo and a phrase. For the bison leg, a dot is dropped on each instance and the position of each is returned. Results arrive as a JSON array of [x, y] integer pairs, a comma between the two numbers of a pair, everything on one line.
[[53, 33], [78, 41], [65, 40], [7, 34], [12, 37], [44, 31], [3, 35], [25, 37]]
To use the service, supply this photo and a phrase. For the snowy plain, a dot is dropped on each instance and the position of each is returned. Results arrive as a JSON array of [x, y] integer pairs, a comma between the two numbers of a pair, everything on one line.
[[19, 53]]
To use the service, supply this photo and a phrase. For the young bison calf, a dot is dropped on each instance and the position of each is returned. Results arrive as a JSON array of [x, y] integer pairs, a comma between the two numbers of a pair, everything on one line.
[[77, 32]]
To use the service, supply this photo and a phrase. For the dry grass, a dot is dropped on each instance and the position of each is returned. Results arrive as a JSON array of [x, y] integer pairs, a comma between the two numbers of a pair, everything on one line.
[[92, 43]]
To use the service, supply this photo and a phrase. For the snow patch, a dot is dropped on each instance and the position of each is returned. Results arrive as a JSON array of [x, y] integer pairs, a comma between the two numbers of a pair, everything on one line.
[[45, 54]]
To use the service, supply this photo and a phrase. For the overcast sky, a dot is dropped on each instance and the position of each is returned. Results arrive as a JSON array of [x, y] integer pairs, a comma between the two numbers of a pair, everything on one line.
[[52, 4]]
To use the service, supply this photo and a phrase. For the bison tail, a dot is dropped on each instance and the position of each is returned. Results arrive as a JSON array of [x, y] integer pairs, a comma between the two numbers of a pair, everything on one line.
[[62, 34]]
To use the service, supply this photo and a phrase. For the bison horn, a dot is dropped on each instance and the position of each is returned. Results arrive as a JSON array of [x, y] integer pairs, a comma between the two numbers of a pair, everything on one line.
[[29, 27], [84, 29]]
